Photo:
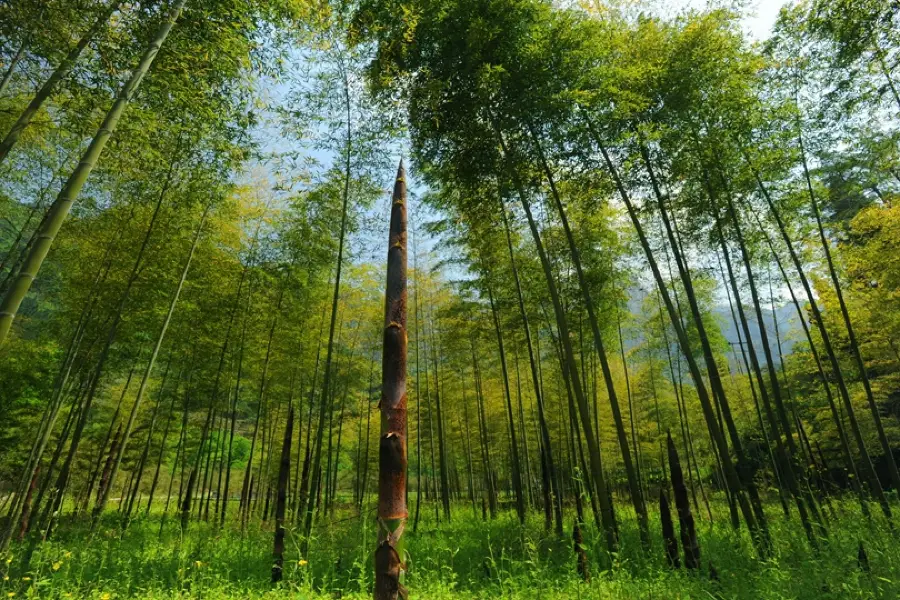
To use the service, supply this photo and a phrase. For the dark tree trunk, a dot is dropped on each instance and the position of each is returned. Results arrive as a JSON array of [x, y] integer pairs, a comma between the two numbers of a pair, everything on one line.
[[281, 501], [668, 531], [685, 519]]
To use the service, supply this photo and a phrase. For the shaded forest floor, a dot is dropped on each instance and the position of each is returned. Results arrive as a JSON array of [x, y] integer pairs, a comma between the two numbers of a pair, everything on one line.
[[466, 558]]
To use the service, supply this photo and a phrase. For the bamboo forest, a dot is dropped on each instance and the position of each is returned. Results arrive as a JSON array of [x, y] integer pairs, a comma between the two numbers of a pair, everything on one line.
[[450, 299]]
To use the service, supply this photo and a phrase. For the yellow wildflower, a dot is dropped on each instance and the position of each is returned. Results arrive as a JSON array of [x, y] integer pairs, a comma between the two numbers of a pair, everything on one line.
[[198, 564], [105, 596], [302, 562], [10, 595], [57, 565], [68, 554], [26, 579], [6, 578]]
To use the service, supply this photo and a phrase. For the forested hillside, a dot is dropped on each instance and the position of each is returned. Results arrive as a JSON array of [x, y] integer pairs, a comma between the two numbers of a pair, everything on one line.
[[449, 298]]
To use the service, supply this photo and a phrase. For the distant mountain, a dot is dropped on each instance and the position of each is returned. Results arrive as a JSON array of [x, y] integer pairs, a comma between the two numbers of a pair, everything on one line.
[[789, 328]]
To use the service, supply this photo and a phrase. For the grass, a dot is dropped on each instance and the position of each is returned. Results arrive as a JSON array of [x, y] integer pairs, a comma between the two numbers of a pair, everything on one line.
[[466, 558]]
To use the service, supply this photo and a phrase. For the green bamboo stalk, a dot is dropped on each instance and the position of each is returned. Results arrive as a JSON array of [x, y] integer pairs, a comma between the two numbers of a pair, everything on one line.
[[61, 72], [56, 216], [149, 369]]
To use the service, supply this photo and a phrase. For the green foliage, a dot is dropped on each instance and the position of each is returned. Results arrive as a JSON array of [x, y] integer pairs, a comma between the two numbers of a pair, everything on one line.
[[464, 559]]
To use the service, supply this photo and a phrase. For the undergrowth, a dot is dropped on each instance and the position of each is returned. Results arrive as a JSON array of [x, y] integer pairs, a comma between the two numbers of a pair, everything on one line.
[[465, 558]]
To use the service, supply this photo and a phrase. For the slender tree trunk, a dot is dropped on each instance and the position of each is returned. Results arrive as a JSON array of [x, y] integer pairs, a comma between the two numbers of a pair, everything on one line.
[[57, 453], [886, 449], [839, 424], [210, 451], [417, 291], [490, 489], [142, 462], [516, 463], [442, 445], [55, 405], [546, 451], [734, 481], [317, 455], [281, 502], [298, 458], [637, 497], [71, 419], [433, 479], [796, 482], [221, 467], [70, 191], [307, 454], [781, 453], [262, 388], [26, 506], [61, 72], [337, 450], [865, 459], [745, 361], [364, 479], [155, 353], [95, 473], [162, 452], [467, 443], [7, 75], [194, 470], [631, 418], [63, 478], [527, 479], [607, 516]]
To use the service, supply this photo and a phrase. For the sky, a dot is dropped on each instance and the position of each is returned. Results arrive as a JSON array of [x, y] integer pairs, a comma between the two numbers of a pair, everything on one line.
[[764, 13], [368, 246]]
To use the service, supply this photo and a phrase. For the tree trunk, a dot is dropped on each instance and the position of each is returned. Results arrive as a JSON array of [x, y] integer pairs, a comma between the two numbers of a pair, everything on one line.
[[63, 203], [886, 449], [7, 75], [865, 460], [142, 462], [281, 502], [607, 516], [159, 340], [685, 519], [61, 72], [551, 494], [64, 474], [637, 497], [839, 424], [442, 444], [490, 488], [162, 451], [516, 464], [303, 493], [734, 481]]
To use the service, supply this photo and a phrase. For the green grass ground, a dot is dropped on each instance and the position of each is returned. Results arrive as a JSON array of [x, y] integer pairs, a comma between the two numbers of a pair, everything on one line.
[[466, 558]]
